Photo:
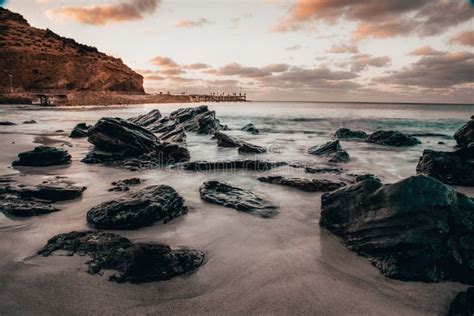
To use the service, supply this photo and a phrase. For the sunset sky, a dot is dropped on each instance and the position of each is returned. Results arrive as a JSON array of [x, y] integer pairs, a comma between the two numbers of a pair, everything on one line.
[[337, 50]]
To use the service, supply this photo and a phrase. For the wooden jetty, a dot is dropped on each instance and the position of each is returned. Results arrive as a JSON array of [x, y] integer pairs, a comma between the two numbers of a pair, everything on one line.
[[219, 97]]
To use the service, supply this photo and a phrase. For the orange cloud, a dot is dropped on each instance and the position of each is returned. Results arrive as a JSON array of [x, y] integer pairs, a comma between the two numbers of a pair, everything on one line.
[[425, 51], [164, 62], [109, 13], [464, 38], [196, 66]]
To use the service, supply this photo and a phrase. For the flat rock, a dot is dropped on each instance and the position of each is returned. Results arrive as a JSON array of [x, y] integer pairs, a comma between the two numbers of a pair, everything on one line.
[[418, 229], [326, 148], [339, 156], [392, 138], [124, 185], [6, 123], [323, 170], [346, 133], [30, 122], [223, 194], [247, 148], [250, 128], [229, 165], [133, 262], [20, 207], [308, 185], [463, 304], [455, 168], [139, 209], [46, 192], [43, 156], [465, 135], [80, 130]]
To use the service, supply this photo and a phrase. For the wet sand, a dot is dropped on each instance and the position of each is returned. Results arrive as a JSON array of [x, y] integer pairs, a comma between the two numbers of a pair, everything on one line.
[[285, 265]]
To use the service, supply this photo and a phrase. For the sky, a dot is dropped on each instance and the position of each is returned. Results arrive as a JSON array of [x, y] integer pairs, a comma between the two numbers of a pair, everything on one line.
[[298, 50]]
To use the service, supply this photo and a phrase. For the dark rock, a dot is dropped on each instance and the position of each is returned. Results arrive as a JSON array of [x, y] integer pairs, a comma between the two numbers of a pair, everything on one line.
[[6, 123], [346, 133], [80, 130], [43, 156], [323, 170], [30, 122], [430, 135], [139, 209], [363, 177], [465, 135], [250, 128], [455, 168], [441, 143], [339, 156], [463, 304], [309, 185], [47, 192], [175, 136], [147, 120], [20, 207], [134, 262], [224, 140], [124, 185], [325, 149], [247, 148], [242, 200], [417, 229], [392, 138], [229, 165]]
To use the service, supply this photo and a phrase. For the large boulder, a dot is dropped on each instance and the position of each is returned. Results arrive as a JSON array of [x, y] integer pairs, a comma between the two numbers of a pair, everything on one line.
[[455, 168], [392, 138], [80, 130], [139, 209], [43, 156], [463, 303], [133, 262], [465, 135], [45, 192], [220, 193], [250, 128], [418, 229], [308, 185], [229, 165], [346, 133]]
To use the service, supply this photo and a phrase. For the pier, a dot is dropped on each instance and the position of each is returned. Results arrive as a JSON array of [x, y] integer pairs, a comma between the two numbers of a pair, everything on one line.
[[219, 97]]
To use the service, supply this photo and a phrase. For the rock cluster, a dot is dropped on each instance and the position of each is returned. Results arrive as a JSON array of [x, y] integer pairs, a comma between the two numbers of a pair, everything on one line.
[[308, 185], [417, 229], [133, 262], [43, 156], [220, 193], [138, 209]]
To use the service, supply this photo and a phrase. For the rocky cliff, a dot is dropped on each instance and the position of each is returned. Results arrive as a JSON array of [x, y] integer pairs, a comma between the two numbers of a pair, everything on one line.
[[42, 60]]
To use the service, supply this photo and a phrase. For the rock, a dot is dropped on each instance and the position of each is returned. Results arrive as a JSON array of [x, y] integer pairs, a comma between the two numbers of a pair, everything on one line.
[[43, 156], [308, 185], [30, 122], [124, 185], [20, 207], [392, 138], [339, 156], [224, 140], [465, 135], [363, 177], [463, 304], [228, 165], [147, 120], [323, 170], [139, 209], [325, 149], [417, 229], [175, 136], [242, 200], [250, 128], [346, 133], [127, 145], [80, 130], [134, 262], [6, 123], [247, 148], [455, 168], [46, 192]]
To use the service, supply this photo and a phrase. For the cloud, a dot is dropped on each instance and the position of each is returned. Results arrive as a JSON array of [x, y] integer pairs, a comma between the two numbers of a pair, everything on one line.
[[196, 66], [425, 51], [294, 47], [164, 62], [360, 62], [464, 38], [192, 23], [380, 18], [109, 13], [340, 49], [276, 68], [172, 71], [235, 69], [435, 71], [155, 78]]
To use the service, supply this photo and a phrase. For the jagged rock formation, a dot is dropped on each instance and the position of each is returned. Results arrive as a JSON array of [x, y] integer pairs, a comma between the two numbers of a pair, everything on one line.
[[308, 185], [417, 229], [80, 130], [42, 60], [134, 262], [224, 140], [465, 135]]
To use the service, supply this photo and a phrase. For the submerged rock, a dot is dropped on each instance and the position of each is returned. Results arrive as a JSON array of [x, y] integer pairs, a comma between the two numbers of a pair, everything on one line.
[[323, 170], [247, 148], [363, 177], [346, 133], [43, 156], [139, 209], [392, 138], [463, 304], [20, 207], [229, 165], [339, 156], [134, 262], [325, 149], [224, 140], [250, 128], [6, 123], [30, 122], [46, 192], [124, 185], [309, 185], [465, 135], [455, 168], [220, 193], [417, 229], [80, 130]]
